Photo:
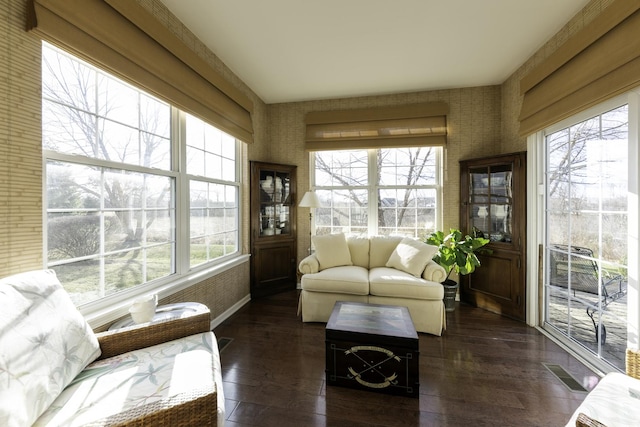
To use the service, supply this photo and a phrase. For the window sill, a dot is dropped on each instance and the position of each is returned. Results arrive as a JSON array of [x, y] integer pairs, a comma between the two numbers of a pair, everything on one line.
[[113, 308]]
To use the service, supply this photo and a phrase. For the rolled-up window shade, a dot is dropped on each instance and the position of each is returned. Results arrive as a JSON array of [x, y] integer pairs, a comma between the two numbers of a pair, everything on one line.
[[403, 126], [125, 40], [598, 63]]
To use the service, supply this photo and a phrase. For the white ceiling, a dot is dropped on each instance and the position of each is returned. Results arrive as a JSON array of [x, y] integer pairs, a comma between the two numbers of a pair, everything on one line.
[[297, 50]]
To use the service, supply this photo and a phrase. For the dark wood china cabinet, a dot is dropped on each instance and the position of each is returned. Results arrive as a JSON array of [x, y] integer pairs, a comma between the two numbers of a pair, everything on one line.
[[493, 205], [273, 228]]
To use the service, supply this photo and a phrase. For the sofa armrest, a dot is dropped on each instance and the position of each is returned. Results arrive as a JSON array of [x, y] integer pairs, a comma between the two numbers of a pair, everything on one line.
[[144, 335], [434, 272], [309, 265]]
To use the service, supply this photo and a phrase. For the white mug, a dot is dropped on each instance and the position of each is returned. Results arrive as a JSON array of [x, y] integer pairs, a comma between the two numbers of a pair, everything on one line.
[[143, 309]]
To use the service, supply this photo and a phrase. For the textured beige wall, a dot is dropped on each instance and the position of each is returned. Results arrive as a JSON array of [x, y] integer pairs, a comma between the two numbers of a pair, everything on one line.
[[219, 292], [511, 98], [20, 143], [474, 130]]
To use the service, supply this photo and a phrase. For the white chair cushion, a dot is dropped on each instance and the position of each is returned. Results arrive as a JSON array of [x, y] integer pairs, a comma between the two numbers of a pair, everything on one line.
[[343, 280], [359, 249], [132, 380], [411, 256], [615, 401], [380, 249], [389, 282], [44, 343], [332, 250]]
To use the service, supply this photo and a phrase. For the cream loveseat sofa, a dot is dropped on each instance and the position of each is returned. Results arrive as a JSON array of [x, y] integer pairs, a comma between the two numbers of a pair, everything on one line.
[[54, 371], [387, 270]]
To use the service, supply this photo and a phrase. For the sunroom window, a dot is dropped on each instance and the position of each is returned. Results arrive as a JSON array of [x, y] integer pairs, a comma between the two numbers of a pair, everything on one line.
[[378, 191], [115, 160]]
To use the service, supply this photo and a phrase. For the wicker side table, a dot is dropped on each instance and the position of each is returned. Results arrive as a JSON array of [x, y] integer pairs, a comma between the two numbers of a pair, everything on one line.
[[165, 312]]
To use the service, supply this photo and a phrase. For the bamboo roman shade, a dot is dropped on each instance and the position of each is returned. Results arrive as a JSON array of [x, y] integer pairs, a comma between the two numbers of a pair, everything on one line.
[[598, 63], [403, 126], [124, 39]]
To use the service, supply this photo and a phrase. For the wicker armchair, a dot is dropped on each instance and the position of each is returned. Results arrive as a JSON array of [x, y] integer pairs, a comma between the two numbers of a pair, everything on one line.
[[633, 363], [614, 401], [57, 371], [195, 408]]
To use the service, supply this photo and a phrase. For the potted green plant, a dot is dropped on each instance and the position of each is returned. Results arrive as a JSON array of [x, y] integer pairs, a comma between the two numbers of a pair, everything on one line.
[[456, 253]]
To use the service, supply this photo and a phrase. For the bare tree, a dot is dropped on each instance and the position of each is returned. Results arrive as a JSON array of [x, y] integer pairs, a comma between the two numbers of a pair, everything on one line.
[[573, 188], [78, 100], [341, 176], [568, 158]]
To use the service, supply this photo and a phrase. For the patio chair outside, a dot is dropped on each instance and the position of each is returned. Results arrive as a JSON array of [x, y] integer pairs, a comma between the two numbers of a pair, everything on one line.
[[581, 275]]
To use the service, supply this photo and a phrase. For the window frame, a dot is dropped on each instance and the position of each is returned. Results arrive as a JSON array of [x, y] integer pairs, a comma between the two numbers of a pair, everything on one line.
[[536, 233], [372, 188], [188, 178], [109, 307]]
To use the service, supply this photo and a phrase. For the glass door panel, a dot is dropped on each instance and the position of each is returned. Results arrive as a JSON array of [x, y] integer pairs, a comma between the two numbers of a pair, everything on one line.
[[586, 235], [275, 203], [490, 195]]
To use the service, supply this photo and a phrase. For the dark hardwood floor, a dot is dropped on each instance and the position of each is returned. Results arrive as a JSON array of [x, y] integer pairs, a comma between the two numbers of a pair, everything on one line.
[[485, 370]]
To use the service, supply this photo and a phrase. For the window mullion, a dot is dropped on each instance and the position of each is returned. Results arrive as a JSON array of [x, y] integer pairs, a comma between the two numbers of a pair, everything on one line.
[[373, 192], [179, 136], [102, 281], [440, 161]]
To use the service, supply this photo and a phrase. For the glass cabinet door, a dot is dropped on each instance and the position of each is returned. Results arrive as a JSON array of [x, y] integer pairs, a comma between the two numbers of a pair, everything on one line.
[[275, 203], [491, 202]]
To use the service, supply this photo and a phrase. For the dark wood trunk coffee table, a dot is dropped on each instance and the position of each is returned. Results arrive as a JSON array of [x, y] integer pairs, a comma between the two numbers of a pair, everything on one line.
[[372, 347]]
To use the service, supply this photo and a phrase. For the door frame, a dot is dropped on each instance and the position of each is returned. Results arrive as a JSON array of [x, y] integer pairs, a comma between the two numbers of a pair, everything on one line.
[[536, 229]]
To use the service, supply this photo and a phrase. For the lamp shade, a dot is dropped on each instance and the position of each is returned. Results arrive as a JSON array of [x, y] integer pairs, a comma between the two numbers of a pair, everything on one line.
[[310, 200]]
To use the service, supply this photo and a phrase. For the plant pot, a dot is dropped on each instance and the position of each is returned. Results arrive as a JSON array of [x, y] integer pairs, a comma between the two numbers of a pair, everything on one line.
[[450, 291]]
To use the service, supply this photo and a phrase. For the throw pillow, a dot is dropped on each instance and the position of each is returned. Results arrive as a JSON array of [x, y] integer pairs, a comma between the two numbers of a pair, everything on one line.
[[44, 343], [332, 250], [359, 249], [381, 248], [411, 256]]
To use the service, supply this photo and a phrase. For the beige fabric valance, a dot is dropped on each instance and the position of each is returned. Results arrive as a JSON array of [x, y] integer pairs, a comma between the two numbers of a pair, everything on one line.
[[402, 126], [124, 39], [598, 63]]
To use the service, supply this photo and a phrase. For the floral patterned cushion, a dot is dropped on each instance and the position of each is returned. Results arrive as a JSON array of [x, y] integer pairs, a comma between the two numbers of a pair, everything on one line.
[[44, 343], [137, 378]]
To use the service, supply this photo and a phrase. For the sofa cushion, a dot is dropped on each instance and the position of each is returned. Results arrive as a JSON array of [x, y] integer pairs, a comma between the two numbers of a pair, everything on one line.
[[343, 280], [389, 282], [380, 249], [149, 376], [359, 249], [44, 343], [411, 256], [332, 250]]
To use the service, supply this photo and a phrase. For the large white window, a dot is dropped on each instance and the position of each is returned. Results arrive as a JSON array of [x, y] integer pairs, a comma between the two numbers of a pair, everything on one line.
[[213, 191], [586, 223], [378, 191], [115, 161]]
